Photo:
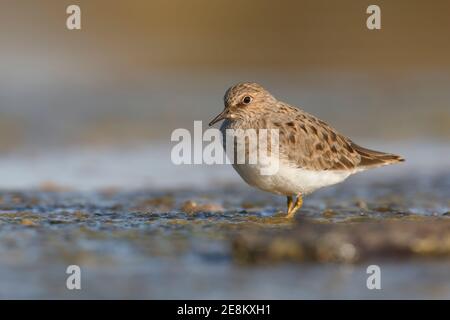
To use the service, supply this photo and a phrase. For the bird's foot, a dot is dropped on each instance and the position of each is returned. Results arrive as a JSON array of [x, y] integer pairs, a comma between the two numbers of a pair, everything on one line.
[[292, 209]]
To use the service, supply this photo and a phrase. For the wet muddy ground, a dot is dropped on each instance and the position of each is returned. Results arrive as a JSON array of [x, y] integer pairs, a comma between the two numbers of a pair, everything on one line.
[[228, 242]]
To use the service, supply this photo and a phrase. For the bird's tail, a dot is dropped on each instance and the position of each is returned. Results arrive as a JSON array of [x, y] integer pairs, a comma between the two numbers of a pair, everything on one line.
[[373, 159]]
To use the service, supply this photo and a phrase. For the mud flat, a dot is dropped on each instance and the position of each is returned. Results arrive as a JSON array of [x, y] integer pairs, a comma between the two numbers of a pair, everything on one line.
[[349, 243], [228, 242]]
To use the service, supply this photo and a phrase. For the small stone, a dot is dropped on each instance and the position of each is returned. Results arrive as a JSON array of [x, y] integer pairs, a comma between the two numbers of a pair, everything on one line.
[[383, 209], [50, 186], [361, 204], [328, 213], [347, 252], [193, 207], [27, 222]]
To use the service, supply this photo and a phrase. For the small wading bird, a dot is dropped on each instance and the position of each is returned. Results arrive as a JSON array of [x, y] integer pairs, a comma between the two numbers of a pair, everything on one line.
[[312, 154]]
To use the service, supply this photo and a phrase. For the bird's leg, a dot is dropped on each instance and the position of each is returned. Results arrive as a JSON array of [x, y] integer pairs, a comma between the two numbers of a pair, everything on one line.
[[298, 204], [290, 203]]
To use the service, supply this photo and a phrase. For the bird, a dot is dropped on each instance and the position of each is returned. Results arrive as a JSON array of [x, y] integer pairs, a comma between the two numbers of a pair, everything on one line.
[[311, 153]]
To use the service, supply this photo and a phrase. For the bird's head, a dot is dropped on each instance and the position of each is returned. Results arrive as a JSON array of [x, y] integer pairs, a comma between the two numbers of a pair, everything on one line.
[[244, 100]]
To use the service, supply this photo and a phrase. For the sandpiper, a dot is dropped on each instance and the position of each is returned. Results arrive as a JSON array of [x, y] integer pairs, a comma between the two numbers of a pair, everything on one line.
[[312, 154]]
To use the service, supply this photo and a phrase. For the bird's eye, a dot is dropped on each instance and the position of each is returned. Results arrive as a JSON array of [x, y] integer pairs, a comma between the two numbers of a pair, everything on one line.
[[247, 100]]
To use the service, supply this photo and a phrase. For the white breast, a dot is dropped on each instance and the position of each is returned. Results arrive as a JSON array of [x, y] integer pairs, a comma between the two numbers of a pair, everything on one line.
[[290, 180]]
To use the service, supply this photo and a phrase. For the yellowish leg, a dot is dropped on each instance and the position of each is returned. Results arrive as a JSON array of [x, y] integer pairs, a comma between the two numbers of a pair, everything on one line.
[[290, 204], [294, 209]]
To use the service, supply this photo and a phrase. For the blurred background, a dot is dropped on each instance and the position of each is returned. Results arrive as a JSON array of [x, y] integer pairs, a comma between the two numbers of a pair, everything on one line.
[[139, 69], [94, 109]]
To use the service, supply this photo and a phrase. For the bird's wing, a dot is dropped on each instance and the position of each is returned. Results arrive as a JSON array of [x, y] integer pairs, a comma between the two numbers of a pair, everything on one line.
[[312, 144]]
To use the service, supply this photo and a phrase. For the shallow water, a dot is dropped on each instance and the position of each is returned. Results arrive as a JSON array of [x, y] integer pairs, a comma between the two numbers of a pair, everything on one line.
[[188, 243]]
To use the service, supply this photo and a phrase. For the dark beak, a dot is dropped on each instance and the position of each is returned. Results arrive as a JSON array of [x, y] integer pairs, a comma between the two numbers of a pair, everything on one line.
[[221, 116]]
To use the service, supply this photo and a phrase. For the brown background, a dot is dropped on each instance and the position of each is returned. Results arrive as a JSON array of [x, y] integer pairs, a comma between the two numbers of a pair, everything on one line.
[[138, 69]]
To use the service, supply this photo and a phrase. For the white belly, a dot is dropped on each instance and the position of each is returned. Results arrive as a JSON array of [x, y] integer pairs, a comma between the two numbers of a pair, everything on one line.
[[289, 180]]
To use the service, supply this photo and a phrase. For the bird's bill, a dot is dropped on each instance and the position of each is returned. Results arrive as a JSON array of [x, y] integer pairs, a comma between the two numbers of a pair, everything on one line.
[[221, 116]]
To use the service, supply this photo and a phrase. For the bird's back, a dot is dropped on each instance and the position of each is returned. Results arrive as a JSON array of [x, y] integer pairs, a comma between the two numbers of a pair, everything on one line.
[[312, 144]]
